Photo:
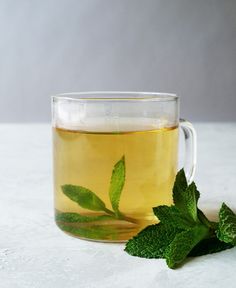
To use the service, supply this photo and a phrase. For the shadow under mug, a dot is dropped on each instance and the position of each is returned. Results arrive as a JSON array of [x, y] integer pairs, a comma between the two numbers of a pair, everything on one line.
[[115, 157]]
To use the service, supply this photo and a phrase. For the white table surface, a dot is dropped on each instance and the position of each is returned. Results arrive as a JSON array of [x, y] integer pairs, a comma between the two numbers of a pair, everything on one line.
[[35, 253]]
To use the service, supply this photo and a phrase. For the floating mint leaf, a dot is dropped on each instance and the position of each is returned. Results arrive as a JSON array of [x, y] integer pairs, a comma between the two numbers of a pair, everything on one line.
[[172, 216], [227, 226], [94, 232], [183, 243], [78, 218], [152, 241], [89, 200], [117, 184], [84, 197]]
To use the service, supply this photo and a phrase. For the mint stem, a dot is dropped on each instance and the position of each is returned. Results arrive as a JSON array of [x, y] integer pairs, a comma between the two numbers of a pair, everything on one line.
[[126, 218], [210, 224], [109, 212], [120, 216]]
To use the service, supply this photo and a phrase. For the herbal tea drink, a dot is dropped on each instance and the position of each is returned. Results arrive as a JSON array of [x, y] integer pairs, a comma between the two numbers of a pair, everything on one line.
[[109, 172], [87, 160]]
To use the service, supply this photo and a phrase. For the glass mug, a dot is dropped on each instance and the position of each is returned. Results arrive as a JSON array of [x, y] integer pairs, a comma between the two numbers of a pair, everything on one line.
[[115, 157]]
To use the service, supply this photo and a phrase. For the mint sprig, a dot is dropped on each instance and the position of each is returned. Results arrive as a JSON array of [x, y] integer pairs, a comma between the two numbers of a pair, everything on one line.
[[184, 230], [88, 200]]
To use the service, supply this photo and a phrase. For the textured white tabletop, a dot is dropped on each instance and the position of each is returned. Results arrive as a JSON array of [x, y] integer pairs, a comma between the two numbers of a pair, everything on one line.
[[35, 253]]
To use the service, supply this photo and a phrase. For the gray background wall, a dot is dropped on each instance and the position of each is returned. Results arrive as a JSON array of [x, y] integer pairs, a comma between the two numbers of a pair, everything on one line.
[[182, 46]]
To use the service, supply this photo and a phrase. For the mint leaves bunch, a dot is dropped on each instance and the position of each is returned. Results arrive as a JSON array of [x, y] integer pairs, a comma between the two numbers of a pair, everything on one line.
[[87, 199], [184, 230]]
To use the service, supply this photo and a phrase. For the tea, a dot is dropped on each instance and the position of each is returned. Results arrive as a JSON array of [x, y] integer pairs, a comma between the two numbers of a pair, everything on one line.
[[87, 159]]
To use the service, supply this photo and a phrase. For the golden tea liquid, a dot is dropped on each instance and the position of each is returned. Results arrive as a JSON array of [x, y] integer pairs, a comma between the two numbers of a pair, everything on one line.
[[87, 159]]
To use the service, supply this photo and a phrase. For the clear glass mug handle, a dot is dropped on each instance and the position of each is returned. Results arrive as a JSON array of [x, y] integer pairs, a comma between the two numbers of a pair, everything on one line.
[[190, 149]]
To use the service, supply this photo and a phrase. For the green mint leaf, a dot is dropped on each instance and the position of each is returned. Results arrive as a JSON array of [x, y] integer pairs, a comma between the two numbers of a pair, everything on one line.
[[181, 200], [152, 241], [227, 226], [172, 216], [183, 243], [117, 184], [180, 186], [84, 197], [185, 197], [190, 199], [209, 246], [94, 232], [78, 218]]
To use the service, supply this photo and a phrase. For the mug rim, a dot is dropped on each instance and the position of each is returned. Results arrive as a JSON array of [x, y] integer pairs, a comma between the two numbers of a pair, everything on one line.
[[115, 96]]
